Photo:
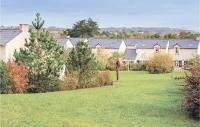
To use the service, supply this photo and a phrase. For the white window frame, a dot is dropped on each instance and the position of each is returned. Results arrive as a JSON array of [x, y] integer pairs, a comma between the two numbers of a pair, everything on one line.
[[175, 49]]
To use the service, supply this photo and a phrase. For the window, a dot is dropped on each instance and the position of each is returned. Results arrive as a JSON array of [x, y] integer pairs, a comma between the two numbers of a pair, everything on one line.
[[177, 50], [157, 48]]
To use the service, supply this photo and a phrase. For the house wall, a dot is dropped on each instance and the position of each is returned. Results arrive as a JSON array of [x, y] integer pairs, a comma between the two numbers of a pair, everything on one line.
[[109, 52], [2, 53], [15, 44], [184, 54], [145, 54], [122, 47], [69, 44], [198, 50]]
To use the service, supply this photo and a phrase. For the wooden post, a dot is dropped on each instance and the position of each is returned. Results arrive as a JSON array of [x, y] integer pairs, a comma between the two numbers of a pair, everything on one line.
[[117, 69]]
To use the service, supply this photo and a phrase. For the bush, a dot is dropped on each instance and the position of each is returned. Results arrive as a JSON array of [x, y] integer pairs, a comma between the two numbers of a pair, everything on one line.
[[70, 82], [43, 56], [192, 89], [123, 65], [111, 64], [4, 80], [18, 74], [102, 57], [104, 78], [82, 60], [137, 66], [160, 63]]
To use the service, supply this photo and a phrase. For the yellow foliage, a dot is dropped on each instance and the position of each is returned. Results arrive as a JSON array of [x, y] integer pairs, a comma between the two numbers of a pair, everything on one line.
[[160, 63]]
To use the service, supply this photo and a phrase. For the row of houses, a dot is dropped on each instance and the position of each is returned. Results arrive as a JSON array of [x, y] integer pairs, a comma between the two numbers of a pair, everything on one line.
[[134, 50]]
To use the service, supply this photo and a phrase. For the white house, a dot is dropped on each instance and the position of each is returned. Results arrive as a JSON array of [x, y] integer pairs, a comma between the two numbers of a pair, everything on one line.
[[109, 45], [12, 39], [181, 50]]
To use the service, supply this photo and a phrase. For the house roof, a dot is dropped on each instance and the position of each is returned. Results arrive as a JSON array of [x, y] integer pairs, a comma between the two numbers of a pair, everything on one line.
[[130, 54], [150, 43], [139, 43], [106, 43], [184, 43], [7, 34], [72, 40], [75, 40], [61, 41]]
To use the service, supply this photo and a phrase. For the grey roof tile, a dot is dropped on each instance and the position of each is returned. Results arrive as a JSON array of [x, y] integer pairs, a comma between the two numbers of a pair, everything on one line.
[[7, 34], [72, 40], [106, 43], [184, 43], [150, 43], [130, 54], [61, 42]]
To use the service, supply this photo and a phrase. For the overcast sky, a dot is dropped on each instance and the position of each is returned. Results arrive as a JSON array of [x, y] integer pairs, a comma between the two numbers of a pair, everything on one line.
[[115, 13]]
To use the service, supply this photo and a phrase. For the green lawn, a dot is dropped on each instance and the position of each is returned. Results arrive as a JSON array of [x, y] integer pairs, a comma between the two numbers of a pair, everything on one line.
[[137, 100]]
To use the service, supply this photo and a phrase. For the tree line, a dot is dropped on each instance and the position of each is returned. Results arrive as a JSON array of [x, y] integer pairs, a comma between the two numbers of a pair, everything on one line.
[[90, 28]]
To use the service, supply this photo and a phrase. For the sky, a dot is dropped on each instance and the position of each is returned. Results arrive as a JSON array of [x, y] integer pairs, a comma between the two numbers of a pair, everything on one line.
[[108, 13]]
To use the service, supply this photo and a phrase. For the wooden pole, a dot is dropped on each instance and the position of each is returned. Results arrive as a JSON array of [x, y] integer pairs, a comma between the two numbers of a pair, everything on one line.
[[117, 69]]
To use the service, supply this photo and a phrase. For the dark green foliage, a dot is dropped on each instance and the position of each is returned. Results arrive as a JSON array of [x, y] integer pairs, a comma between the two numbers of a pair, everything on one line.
[[137, 66], [169, 36], [155, 36], [84, 28], [38, 22], [82, 61], [192, 90], [4, 80], [44, 59], [185, 35]]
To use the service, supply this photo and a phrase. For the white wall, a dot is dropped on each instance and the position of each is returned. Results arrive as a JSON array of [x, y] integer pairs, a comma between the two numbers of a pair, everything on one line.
[[184, 54], [69, 44], [15, 44], [122, 47], [145, 54], [2, 53], [198, 50]]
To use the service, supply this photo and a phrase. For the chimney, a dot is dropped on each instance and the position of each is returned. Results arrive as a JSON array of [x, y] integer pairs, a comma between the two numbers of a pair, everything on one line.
[[24, 27]]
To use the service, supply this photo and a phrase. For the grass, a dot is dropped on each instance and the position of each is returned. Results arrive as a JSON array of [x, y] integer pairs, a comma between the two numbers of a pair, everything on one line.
[[137, 100]]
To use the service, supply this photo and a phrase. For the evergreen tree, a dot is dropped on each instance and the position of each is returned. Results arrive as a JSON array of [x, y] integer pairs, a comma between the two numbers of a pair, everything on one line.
[[4, 80], [43, 57], [84, 28], [82, 60], [38, 23]]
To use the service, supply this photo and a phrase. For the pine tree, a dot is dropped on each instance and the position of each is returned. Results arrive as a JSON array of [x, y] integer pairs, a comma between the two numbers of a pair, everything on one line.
[[82, 60], [43, 57], [38, 23]]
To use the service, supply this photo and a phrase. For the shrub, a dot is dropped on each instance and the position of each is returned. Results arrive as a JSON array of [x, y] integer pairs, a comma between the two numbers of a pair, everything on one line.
[[44, 58], [192, 90], [70, 82], [137, 66], [102, 57], [160, 63], [104, 78], [18, 74], [111, 64], [82, 60], [4, 80], [123, 65]]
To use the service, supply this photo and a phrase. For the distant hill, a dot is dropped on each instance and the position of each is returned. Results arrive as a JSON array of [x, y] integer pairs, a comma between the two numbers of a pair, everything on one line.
[[159, 30]]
